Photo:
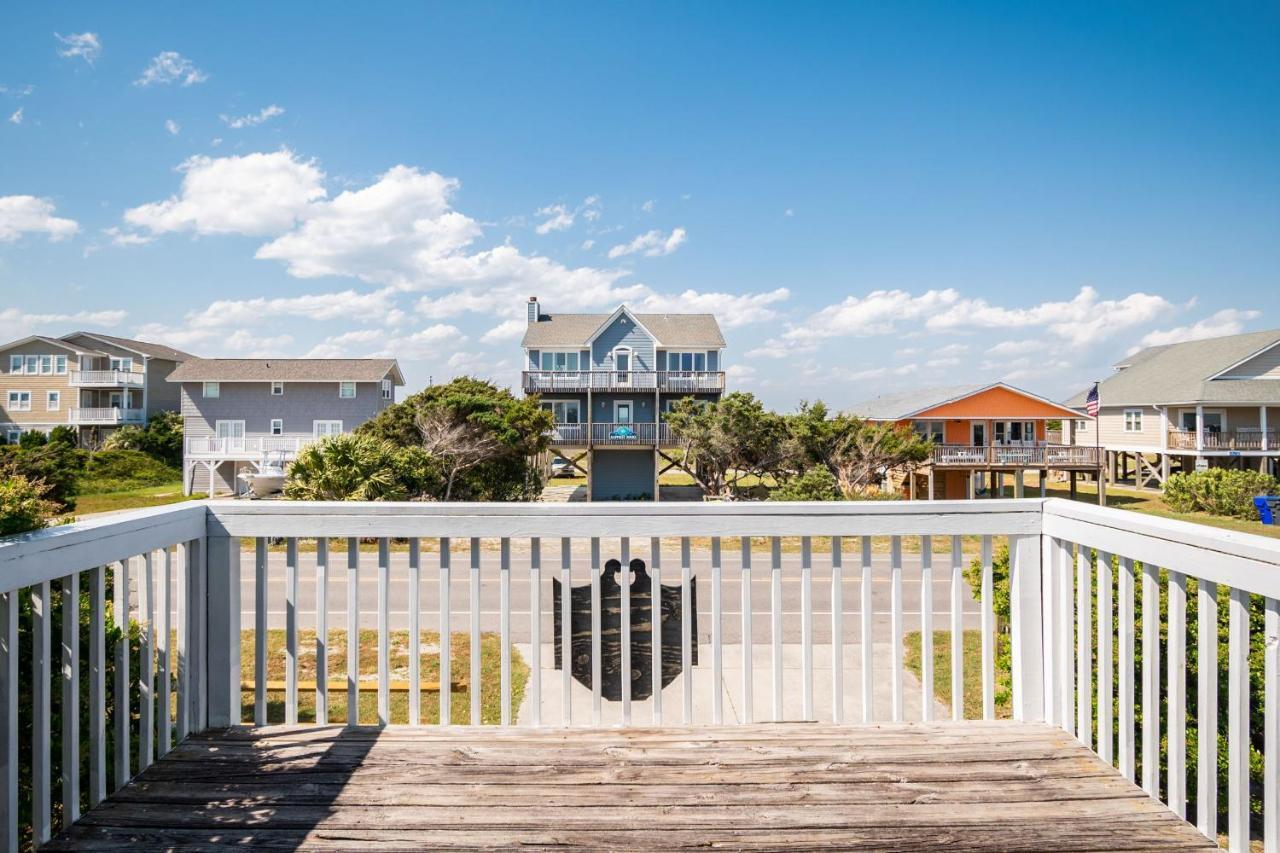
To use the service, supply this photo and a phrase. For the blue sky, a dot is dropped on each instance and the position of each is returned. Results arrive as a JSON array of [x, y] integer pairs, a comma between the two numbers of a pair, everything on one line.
[[871, 196]]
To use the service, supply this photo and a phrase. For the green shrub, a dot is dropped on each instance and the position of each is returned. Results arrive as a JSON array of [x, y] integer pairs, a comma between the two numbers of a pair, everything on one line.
[[160, 439], [55, 464], [23, 505], [1219, 491], [347, 467], [124, 470], [64, 435], [815, 484]]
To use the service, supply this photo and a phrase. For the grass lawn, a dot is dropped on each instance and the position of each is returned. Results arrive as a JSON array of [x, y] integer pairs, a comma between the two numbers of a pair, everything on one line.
[[169, 493], [460, 664], [972, 671]]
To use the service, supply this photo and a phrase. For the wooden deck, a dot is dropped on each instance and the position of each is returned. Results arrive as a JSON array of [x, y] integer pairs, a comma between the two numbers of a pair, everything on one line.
[[951, 786]]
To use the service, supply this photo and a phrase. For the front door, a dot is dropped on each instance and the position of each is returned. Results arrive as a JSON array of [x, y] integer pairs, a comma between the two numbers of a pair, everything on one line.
[[232, 434], [622, 412], [114, 400], [979, 434], [622, 366]]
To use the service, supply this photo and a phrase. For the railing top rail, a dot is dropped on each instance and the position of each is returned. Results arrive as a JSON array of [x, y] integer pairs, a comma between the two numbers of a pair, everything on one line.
[[1245, 561], [55, 552]]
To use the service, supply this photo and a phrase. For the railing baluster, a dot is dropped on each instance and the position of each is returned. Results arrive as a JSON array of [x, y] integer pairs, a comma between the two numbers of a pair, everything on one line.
[[71, 699], [121, 697], [1066, 636], [353, 631], [98, 685], [596, 696], [837, 630], [806, 625], [1125, 680], [1151, 680], [260, 596], [1176, 794], [866, 628], [655, 624], [322, 630], [384, 631], [1106, 682], [1238, 721], [291, 631], [185, 681], [566, 631], [775, 630], [624, 627], [1207, 709], [41, 713], [1084, 646], [535, 629], [165, 734], [717, 638], [146, 664], [686, 629], [956, 602], [988, 635], [926, 628], [745, 580], [1271, 725], [475, 631], [446, 635], [1049, 628], [504, 608], [9, 758], [415, 635]]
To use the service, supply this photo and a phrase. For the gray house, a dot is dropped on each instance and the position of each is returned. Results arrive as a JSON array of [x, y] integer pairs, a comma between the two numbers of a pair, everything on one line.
[[238, 413], [610, 378]]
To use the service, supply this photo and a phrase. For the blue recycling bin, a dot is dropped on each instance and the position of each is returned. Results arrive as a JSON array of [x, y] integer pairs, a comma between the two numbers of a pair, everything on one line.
[[1268, 508]]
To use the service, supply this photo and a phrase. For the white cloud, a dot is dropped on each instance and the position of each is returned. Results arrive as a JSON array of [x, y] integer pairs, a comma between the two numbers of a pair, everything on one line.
[[788, 212], [507, 330], [26, 214], [127, 238], [15, 323], [1016, 347], [16, 116], [648, 206], [740, 374], [83, 45], [1085, 319], [587, 245], [651, 244], [558, 219], [17, 91], [877, 313], [1229, 321], [172, 126], [171, 67], [253, 194], [731, 309], [253, 119], [950, 351], [426, 343]]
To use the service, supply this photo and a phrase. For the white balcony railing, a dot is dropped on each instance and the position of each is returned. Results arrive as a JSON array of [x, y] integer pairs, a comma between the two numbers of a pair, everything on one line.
[[183, 573], [247, 447], [1016, 456], [107, 379], [108, 416], [675, 381]]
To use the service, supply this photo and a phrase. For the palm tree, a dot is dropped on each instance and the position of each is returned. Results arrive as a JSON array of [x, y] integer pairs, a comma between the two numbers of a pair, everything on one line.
[[347, 467]]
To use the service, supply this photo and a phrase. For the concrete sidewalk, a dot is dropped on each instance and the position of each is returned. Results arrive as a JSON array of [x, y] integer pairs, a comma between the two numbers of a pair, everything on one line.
[[552, 703]]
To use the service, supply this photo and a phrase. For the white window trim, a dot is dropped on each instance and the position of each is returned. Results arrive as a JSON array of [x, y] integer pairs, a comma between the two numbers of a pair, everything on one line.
[[204, 390], [665, 365], [315, 427], [274, 386], [16, 364], [631, 404], [13, 436], [1127, 413], [121, 363], [342, 385], [32, 365], [9, 401], [272, 428], [549, 403], [53, 401], [388, 389], [60, 360], [566, 352], [973, 434], [217, 424]]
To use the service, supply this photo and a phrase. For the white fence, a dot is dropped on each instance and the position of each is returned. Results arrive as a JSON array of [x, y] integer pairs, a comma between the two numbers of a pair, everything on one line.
[[109, 415], [186, 561]]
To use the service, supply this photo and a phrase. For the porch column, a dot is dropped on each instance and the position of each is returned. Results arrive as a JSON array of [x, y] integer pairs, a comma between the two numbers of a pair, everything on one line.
[[1018, 482], [1199, 428], [911, 485], [930, 482], [1044, 480], [1164, 430], [1262, 422]]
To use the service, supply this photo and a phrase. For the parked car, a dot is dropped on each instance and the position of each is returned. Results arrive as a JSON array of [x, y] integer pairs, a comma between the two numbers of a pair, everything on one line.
[[561, 467]]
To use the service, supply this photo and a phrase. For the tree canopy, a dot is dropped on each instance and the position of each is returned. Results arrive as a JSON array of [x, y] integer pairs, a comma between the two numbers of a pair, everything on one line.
[[857, 452], [730, 442]]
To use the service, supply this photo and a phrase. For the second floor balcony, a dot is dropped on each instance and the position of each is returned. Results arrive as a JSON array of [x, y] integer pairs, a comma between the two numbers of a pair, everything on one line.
[[106, 416], [1016, 456], [1241, 438], [674, 381], [612, 435], [107, 379], [245, 447]]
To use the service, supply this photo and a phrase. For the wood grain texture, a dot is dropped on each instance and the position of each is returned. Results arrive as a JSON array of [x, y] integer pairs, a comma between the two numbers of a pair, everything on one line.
[[968, 786]]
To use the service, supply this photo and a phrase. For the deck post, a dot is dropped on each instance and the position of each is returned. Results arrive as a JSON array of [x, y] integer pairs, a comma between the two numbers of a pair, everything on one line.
[[222, 566], [1027, 628]]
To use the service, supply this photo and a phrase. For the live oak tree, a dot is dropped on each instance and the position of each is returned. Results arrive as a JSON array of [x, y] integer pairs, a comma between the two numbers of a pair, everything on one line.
[[858, 453], [729, 442]]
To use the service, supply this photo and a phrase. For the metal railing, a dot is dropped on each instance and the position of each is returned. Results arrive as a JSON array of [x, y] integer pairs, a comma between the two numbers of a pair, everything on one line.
[[107, 415], [107, 378], [1016, 456], [1242, 438], [677, 381], [199, 580]]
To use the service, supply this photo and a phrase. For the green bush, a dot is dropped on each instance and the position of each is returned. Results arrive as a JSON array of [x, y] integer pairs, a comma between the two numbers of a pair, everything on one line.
[[55, 464], [124, 470], [1219, 491], [160, 439], [23, 505], [815, 484], [348, 467]]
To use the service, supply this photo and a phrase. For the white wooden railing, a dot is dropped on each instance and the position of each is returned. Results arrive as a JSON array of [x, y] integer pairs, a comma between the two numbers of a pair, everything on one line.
[[676, 381], [108, 415], [1016, 456], [107, 378], [1243, 438], [1060, 554], [249, 447]]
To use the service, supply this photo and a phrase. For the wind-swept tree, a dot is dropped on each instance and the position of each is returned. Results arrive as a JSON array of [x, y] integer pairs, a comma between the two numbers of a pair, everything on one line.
[[725, 443], [858, 453]]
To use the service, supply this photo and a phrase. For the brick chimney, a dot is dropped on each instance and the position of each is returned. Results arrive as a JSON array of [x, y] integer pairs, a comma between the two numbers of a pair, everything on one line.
[[533, 314]]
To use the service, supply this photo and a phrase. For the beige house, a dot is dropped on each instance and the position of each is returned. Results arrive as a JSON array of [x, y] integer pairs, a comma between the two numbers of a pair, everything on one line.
[[1199, 404], [93, 382]]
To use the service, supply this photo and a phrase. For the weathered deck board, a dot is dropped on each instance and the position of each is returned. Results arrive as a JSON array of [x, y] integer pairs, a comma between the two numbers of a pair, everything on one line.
[[945, 786]]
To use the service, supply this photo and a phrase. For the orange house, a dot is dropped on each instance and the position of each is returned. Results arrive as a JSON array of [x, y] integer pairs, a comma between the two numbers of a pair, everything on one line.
[[980, 434]]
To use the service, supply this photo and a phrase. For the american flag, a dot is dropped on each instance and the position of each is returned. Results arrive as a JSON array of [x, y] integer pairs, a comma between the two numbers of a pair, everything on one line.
[[1091, 402]]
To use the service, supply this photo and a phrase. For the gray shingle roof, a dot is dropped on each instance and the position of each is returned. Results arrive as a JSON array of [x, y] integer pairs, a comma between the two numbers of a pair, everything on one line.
[[287, 370], [671, 330], [892, 407], [144, 347], [1179, 373]]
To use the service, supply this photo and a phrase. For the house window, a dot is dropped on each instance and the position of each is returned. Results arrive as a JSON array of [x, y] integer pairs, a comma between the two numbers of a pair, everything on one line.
[[277, 426], [1133, 420], [564, 411], [931, 430], [46, 364], [19, 401], [320, 429], [212, 390], [686, 361], [125, 364], [1080, 425], [386, 389], [13, 436], [15, 364], [277, 389], [346, 390], [60, 364], [567, 361], [54, 401]]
